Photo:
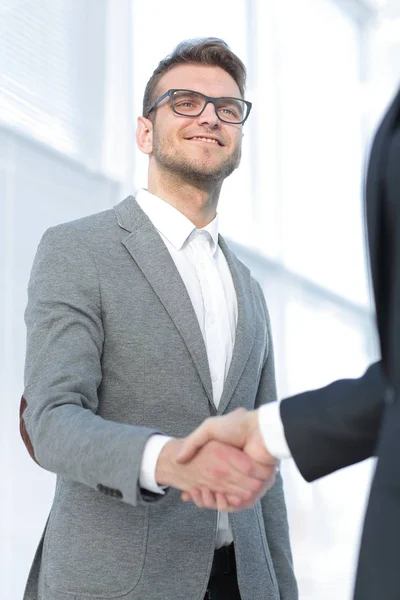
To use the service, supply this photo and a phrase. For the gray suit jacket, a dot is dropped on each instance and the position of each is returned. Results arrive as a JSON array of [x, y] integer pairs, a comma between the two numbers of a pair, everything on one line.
[[114, 354]]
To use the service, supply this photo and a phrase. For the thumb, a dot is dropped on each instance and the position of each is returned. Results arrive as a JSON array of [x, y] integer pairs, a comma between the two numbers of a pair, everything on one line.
[[195, 441], [209, 430]]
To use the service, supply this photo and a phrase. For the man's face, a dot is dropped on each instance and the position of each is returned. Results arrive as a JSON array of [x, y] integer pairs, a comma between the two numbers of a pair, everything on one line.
[[179, 143]]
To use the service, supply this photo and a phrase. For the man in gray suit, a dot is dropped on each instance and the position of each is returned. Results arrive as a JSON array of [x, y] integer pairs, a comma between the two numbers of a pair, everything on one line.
[[141, 323]]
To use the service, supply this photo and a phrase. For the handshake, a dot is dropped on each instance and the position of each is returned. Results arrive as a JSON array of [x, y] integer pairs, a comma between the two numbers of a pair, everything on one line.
[[223, 464]]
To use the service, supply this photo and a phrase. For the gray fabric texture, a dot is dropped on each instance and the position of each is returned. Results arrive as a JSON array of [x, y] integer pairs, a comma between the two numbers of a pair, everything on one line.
[[114, 354]]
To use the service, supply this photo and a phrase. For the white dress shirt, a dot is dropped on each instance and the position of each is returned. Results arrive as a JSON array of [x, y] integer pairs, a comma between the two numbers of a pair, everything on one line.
[[206, 275], [273, 434]]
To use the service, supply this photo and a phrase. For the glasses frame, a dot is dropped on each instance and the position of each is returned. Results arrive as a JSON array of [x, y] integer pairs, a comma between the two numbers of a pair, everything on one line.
[[208, 99]]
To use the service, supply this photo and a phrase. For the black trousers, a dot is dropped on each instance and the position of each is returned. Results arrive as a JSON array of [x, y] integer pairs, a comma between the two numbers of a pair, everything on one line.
[[223, 583]]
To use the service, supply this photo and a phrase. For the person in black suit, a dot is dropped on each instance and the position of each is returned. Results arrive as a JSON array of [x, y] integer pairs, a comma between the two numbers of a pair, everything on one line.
[[349, 420]]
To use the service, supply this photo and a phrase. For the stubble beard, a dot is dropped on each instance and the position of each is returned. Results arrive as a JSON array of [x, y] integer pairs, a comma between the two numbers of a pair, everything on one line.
[[198, 173]]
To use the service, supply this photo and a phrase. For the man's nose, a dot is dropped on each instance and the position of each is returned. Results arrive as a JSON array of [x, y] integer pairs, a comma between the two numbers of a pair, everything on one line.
[[209, 116]]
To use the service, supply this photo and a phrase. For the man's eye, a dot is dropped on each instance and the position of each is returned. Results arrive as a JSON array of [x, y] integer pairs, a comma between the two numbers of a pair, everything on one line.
[[229, 112], [186, 103]]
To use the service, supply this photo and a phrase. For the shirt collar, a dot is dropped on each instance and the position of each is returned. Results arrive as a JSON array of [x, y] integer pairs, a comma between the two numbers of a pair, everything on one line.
[[171, 223]]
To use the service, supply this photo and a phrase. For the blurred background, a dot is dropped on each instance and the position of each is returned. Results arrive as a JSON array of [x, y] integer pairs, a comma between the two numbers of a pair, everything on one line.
[[320, 74]]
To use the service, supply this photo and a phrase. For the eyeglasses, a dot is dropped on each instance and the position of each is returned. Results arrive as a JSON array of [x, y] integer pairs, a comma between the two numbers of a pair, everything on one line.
[[188, 103]]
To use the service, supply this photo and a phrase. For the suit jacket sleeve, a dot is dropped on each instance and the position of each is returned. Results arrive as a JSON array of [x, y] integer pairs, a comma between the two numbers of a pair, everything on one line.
[[63, 371], [273, 503], [336, 426]]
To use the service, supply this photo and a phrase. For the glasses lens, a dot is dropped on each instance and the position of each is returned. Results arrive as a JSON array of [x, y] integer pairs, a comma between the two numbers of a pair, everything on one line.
[[187, 103], [230, 110]]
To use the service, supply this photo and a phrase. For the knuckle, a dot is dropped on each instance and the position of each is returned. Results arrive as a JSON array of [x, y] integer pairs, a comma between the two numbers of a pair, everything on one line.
[[214, 445], [248, 496], [217, 472], [246, 466], [214, 469], [235, 501], [243, 495], [198, 500], [264, 472], [256, 485], [207, 497]]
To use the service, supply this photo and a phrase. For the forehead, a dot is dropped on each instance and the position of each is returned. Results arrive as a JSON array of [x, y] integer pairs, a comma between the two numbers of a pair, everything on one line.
[[207, 79]]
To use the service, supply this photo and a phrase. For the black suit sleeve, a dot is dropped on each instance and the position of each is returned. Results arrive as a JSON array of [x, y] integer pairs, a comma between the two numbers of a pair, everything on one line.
[[335, 426]]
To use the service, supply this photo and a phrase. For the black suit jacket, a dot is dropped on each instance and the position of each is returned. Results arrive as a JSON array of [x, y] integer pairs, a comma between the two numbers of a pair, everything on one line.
[[351, 420]]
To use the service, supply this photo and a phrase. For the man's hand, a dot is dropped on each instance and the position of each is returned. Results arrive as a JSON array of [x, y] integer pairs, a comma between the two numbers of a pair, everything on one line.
[[240, 428], [217, 470]]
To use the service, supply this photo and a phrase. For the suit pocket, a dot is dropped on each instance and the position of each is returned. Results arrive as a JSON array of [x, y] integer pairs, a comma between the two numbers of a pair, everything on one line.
[[94, 545]]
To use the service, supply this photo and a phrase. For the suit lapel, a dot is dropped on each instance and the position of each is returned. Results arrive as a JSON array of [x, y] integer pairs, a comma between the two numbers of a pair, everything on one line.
[[245, 330], [382, 192], [151, 255], [149, 252]]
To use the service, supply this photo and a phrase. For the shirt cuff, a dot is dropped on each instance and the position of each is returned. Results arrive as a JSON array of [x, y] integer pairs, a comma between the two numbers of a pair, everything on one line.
[[272, 431], [151, 453]]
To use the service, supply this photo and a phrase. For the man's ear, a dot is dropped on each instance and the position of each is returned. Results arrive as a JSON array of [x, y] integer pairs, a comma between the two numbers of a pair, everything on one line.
[[144, 135]]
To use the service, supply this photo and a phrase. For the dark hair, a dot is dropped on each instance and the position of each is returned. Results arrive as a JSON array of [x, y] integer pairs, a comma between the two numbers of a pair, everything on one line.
[[207, 51]]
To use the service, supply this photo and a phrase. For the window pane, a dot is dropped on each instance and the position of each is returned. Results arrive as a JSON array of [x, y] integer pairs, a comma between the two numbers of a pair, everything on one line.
[[321, 141], [52, 73]]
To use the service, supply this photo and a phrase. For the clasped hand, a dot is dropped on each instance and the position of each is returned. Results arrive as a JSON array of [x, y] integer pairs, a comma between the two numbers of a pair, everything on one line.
[[223, 464]]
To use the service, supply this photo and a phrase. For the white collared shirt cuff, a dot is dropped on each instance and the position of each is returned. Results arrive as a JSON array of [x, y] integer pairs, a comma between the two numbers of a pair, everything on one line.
[[272, 431], [151, 453]]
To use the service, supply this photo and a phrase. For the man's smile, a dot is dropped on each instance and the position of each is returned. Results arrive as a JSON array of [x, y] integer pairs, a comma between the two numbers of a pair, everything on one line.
[[207, 140]]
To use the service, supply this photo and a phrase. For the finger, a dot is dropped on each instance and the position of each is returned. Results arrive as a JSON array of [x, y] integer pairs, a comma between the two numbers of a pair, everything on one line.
[[196, 440], [191, 495], [233, 500], [221, 484], [243, 463], [197, 497], [228, 429], [223, 478], [247, 489], [229, 503], [267, 485], [222, 502], [235, 503], [249, 466], [262, 471], [208, 498], [242, 487], [235, 458]]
